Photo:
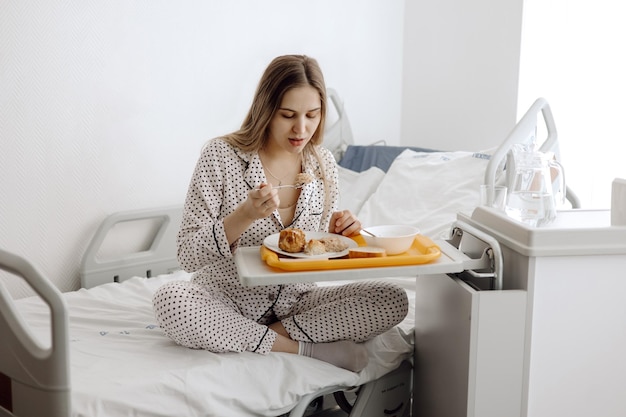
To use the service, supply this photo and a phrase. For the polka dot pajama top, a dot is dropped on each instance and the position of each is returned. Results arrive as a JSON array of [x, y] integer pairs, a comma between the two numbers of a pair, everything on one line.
[[215, 312]]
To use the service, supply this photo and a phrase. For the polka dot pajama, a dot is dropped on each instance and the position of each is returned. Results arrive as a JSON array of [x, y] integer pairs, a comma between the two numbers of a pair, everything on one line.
[[215, 312], [205, 317]]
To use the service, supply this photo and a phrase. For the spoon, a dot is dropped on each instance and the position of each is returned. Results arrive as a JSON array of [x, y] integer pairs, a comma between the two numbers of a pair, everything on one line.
[[302, 179], [278, 187], [368, 232]]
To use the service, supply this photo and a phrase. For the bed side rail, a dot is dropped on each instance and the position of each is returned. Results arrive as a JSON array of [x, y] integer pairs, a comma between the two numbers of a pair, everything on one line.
[[35, 378], [524, 132], [159, 258]]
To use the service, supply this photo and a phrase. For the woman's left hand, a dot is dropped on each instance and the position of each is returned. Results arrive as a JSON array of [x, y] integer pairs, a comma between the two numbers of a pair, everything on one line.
[[344, 223]]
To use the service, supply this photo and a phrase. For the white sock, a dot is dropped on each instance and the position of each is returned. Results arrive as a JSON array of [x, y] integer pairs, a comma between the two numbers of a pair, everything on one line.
[[344, 353]]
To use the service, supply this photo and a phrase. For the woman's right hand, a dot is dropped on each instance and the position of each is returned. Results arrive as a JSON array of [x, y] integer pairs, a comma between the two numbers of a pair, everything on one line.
[[261, 202]]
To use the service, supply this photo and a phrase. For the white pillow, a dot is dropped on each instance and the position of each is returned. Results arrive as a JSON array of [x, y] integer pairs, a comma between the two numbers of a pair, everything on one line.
[[427, 190], [356, 187]]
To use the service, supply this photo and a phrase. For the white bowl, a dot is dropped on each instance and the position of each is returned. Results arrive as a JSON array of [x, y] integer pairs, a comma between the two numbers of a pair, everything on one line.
[[395, 239]]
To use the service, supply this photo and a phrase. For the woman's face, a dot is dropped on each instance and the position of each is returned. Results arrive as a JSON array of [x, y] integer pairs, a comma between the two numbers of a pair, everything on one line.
[[296, 120]]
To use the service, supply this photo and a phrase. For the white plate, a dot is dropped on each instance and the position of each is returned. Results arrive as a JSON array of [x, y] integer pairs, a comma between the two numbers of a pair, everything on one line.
[[271, 242]]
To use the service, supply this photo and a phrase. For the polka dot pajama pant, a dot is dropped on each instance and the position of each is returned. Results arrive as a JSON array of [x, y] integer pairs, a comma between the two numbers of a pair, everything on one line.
[[206, 317]]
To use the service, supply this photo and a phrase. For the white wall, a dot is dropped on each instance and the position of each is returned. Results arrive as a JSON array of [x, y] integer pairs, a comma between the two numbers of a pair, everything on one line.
[[104, 105], [461, 63]]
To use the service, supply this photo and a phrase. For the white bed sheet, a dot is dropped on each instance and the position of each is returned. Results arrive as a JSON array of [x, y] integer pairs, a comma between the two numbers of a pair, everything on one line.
[[123, 365]]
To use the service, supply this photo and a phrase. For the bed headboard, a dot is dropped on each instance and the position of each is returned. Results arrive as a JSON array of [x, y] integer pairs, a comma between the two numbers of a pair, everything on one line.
[[338, 133], [157, 256]]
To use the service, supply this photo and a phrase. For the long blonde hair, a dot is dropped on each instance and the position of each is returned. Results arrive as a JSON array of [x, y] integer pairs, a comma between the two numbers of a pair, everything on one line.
[[281, 75]]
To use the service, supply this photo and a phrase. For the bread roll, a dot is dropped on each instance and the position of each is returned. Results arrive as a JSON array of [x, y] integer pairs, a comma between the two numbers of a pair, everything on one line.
[[366, 252], [292, 240]]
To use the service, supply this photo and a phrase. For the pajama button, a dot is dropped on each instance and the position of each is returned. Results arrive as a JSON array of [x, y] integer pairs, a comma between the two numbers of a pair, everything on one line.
[[271, 296]]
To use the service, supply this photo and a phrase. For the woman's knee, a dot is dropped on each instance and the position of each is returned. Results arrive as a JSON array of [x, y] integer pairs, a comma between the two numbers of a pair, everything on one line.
[[168, 299], [394, 298], [173, 304]]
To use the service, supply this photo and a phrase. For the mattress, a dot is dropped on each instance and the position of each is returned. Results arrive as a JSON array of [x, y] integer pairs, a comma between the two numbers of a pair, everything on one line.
[[123, 365]]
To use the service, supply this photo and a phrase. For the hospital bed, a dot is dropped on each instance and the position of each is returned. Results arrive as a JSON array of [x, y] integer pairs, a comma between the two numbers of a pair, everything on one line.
[[99, 352]]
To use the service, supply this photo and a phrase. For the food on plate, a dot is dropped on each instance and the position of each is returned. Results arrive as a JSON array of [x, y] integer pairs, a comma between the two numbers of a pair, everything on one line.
[[303, 179], [366, 252], [325, 244], [333, 244], [314, 247], [292, 240]]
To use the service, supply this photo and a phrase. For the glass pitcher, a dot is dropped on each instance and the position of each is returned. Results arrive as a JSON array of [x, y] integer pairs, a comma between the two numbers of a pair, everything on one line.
[[536, 186]]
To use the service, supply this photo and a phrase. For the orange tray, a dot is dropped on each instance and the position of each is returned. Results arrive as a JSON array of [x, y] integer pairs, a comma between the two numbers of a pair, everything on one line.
[[423, 250]]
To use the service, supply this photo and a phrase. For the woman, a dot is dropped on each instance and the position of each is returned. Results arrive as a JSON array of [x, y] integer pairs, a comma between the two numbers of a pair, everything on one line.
[[232, 202]]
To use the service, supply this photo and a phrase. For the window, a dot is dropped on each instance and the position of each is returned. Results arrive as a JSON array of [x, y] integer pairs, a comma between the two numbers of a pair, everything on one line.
[[573, 54]]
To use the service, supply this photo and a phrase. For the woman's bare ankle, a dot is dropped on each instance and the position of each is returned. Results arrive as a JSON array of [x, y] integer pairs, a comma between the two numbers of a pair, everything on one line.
[[285, 344], [280, 329]]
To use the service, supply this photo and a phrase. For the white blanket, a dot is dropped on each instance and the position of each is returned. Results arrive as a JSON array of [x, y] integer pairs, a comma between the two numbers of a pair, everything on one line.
[[123, 365]]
